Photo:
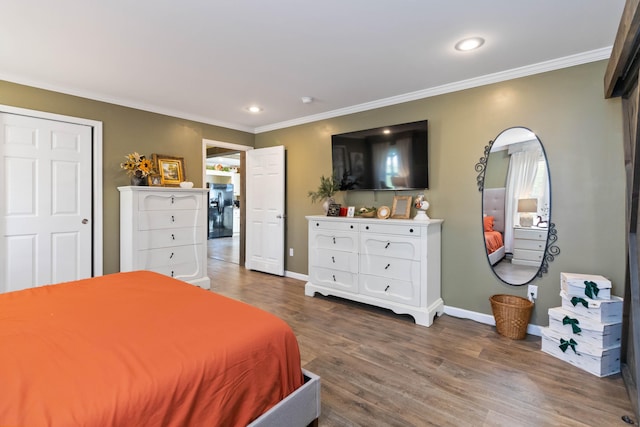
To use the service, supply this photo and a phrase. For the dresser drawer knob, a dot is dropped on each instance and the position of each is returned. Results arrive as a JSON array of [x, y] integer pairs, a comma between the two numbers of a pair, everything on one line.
[[171, 273], [173, 237], [367, 227], [334, 277], [171, 199], [171, 256], [388, 265], [317, 224], [334, 240], [411, 230], [387, 245], [173, 219], [333, 259], [387, 288]]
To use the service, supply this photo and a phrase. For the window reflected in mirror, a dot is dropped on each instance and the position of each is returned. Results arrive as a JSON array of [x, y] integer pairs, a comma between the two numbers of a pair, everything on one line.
[[516, 205]]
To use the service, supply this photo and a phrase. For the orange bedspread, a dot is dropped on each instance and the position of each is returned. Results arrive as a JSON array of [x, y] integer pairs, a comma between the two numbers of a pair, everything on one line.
[[139, 349], [493, 241]]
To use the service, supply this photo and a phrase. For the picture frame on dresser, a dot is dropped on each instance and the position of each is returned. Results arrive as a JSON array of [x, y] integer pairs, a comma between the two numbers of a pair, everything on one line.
[[334, 209], [171, 169], [155, 180], [401, 208]]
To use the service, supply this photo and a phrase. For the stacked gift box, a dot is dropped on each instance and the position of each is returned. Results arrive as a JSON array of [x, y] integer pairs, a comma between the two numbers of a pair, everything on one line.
[[586, 330]]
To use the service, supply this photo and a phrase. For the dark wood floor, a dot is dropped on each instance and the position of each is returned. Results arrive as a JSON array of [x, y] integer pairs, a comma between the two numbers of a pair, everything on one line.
[[380, 369]]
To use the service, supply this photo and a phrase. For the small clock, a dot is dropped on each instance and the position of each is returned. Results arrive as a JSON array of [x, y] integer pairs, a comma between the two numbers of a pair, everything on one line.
[[384, 212]]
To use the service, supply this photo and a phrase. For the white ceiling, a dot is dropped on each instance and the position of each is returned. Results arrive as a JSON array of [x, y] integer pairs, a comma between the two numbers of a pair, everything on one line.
[[209, 60]]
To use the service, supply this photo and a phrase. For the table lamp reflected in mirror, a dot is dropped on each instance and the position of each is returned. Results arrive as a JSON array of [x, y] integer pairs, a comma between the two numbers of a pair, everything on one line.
[[526, 210]]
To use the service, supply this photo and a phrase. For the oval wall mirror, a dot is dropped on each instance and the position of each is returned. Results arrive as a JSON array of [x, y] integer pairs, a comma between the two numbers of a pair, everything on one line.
[[514, 180]]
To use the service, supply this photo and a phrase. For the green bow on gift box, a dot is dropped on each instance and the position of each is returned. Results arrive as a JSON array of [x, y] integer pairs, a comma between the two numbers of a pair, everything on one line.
[[591, 289], [564, 344], [574, 324], [576, 300]]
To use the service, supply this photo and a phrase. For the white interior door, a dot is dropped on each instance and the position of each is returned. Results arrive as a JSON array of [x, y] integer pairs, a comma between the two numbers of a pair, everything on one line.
[[265, 210], [46, 195]]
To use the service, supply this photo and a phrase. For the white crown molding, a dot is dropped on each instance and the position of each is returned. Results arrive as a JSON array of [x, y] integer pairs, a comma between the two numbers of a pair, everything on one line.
[[123, 102], [514, 73], [555, 64]]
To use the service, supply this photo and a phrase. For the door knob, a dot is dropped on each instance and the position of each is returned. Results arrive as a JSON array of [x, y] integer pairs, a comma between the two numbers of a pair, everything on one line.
[[85, 220]]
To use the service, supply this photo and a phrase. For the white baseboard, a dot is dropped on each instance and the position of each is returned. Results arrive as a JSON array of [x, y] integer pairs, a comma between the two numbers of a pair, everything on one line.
[[294, 275], [487, 319]]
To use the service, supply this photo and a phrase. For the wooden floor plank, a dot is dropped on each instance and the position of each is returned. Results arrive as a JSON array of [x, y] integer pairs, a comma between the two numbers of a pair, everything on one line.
[[381, 369]]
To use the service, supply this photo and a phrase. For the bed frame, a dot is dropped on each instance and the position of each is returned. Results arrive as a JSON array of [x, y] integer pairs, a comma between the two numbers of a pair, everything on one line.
[[493, 205], [300, 408]]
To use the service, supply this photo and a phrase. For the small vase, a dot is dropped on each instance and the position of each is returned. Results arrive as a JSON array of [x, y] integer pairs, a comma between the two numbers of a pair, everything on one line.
[[139, 180], [326, 203]]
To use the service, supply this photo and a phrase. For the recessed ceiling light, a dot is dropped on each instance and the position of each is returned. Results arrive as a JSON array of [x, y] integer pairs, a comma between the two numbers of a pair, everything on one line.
[[469, 44], [307, 99], [254, 109], [386, 131]]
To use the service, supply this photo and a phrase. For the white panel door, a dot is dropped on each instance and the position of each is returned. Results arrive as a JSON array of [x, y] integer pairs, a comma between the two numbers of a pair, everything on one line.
[[265, 210], [45, 191]]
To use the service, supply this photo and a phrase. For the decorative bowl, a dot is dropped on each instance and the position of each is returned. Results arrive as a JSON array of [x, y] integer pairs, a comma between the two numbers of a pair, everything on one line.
[[186, 184]]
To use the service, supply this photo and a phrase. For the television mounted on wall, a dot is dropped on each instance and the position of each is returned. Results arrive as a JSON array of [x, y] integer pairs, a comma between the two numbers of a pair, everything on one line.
[[385, 158]]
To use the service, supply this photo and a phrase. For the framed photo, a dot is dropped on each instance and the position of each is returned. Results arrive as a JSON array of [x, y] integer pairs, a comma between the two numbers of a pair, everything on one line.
[[383, 212], [155, 180], [334, 209], [401, 207], [170, 168], [351, 210]]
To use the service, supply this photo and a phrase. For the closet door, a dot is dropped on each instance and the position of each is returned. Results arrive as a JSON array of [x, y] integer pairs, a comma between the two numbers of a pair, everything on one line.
[[46, 197]]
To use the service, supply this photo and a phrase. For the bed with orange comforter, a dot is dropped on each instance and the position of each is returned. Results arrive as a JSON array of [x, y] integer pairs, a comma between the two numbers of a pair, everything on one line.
[[493, 241], [134, 349]]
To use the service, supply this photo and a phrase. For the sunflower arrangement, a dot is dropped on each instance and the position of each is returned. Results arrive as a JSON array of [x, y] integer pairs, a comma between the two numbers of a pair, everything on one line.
[[137, 165]]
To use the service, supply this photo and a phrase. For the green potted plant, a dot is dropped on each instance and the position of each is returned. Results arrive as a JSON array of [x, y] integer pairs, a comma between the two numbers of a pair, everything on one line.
[[326, 190]]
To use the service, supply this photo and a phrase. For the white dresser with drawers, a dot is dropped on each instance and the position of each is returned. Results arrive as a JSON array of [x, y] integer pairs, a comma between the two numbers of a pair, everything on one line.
[[165, 230], [392, 263], [529, 244]]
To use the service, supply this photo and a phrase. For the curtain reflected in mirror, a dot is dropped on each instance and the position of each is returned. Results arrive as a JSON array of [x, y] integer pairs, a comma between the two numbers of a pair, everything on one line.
[[516, 206]]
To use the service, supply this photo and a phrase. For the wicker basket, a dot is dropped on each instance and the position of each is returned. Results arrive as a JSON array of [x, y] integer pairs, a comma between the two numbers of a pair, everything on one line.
[[512, 314]]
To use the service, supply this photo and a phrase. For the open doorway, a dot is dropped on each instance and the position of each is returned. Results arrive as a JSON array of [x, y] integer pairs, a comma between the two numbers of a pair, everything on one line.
[[223, 175]]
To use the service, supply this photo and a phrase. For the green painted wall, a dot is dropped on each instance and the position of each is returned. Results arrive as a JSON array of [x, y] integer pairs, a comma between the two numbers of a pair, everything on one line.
[[580, 130], [125, 130], [582, 136]]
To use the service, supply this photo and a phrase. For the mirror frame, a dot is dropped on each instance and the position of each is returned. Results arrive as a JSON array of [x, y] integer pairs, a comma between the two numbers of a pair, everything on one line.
[[551, 250]]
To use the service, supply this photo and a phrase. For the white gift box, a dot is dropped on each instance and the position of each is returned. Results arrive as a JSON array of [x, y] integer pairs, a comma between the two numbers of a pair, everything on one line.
[[591, 332], [603, 311], [586, 285], [597, 361]]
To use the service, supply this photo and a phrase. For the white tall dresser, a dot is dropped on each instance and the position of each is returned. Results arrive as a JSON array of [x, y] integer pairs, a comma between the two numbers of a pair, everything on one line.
[[392, 263], [165, 230]]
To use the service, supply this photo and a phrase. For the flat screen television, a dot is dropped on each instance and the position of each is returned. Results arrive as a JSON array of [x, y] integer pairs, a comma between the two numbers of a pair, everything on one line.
[[385, 158]]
